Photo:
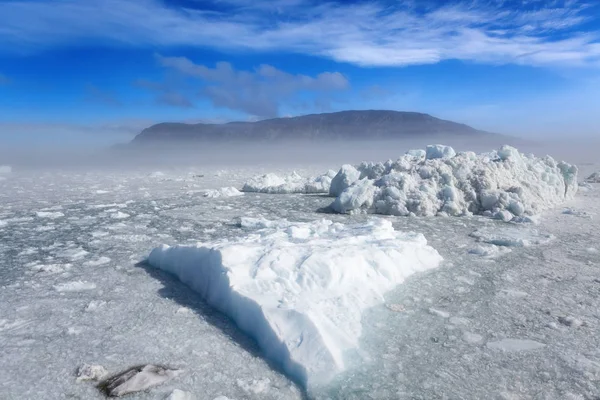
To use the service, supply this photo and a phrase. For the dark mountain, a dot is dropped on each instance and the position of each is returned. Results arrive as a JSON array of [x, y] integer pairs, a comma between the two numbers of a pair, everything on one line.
[[370, 124]]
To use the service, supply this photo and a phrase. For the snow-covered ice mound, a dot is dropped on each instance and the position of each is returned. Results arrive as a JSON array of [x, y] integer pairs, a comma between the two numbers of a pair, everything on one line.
[[223, 192], [294, 183], [300, 288], [504, 184]]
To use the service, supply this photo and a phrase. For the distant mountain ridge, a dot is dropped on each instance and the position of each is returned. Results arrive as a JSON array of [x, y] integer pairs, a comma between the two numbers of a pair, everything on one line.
[[368, 124]]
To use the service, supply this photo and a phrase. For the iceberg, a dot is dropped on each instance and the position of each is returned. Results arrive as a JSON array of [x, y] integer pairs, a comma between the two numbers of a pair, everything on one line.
[[300, 289], [504, 184]]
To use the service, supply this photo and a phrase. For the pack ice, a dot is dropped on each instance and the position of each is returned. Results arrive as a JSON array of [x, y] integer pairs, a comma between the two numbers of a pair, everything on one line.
[[299, 289], [504, 184]]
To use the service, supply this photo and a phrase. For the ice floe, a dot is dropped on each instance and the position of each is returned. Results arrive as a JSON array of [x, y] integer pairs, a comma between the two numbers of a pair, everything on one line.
[[300, 288]]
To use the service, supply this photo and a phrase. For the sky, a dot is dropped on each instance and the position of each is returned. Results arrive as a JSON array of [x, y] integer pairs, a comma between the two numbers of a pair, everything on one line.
[[96, 72]]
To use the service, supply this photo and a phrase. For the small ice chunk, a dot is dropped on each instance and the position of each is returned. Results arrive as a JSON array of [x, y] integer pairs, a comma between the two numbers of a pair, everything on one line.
[[472, 338], [417, 153], [49, 214], [504, 215], [223, 192], [570, 321], [435, 151], [344, 179], [94, 305], [119, 215], [88, 372], [439, 313], [137, 379], [511, 236], [98, 262], [489, 251], [515, 345], [180, 395], [76, 286], [593, 178], [255, 386]]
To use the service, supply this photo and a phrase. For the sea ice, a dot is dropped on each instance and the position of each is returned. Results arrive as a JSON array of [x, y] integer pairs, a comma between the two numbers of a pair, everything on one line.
[[505, 184], [300, 288]]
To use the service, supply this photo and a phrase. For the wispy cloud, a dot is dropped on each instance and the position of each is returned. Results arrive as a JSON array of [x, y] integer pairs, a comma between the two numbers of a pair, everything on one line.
[[259, 92], [4, 80], [373, 33]]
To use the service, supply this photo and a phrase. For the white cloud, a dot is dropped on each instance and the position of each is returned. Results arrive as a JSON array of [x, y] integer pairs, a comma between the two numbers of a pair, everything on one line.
[[259, 93], [367, 34]]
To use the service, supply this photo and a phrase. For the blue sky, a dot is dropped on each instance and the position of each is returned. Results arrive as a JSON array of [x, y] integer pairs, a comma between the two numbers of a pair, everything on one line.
[[95, 72]]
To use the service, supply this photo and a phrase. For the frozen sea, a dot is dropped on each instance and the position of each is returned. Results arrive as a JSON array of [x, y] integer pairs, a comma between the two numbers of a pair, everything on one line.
[[488, 323]]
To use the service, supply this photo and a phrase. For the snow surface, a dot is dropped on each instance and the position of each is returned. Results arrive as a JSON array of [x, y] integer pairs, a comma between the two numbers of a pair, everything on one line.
[[505, 184], [300, 288], [294, 183]]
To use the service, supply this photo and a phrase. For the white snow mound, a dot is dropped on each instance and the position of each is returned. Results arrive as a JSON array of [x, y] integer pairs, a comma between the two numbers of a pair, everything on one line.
[[504, 184], [300, 288], [294, 183], [223, 192]]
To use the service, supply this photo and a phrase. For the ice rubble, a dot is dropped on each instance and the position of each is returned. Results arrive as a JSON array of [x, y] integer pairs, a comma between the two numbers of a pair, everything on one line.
[[223, 192], [299, 288], [294, 183], [504, 184]]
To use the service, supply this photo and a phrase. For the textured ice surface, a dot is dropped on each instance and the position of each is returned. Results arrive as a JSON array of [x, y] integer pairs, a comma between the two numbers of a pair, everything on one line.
[[300, 288], [506, 184]]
